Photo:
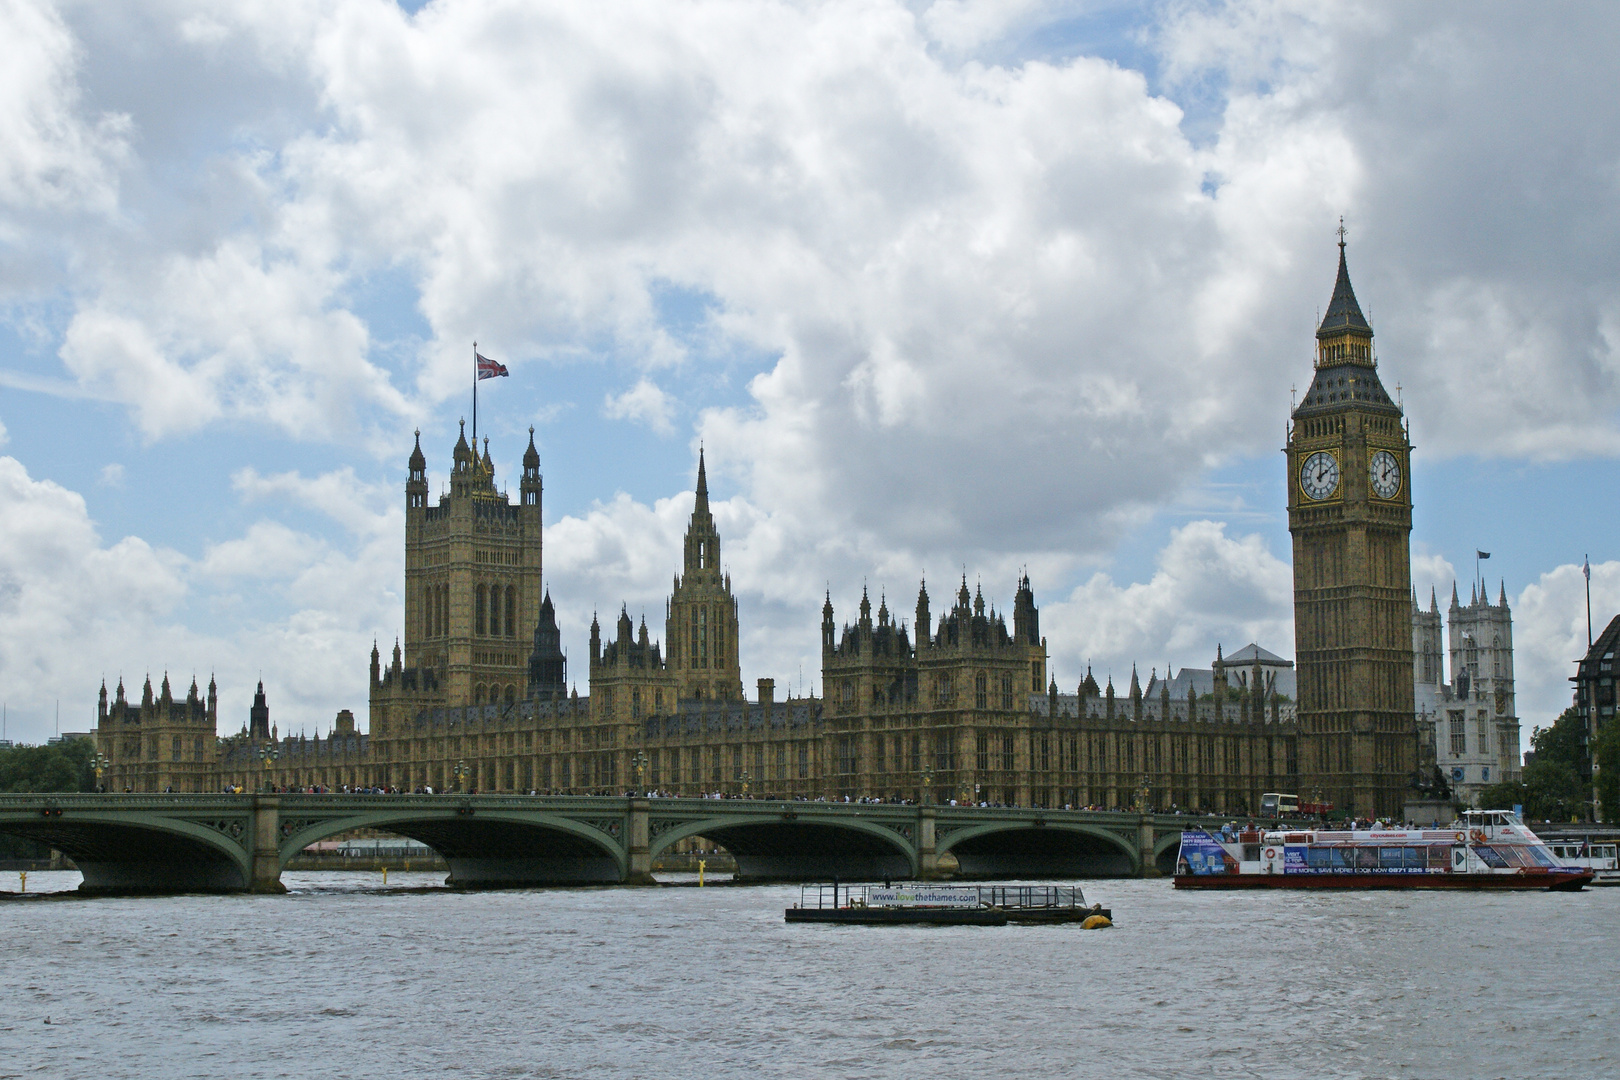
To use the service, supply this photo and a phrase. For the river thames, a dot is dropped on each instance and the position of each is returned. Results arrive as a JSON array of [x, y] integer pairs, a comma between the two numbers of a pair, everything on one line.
[[344, 978]]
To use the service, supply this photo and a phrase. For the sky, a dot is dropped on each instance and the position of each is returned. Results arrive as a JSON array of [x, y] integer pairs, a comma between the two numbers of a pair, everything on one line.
[[941, 288]]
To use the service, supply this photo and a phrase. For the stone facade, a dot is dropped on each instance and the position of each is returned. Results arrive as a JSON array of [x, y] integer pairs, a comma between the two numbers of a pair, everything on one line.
[[162, 744], [1472, 719]]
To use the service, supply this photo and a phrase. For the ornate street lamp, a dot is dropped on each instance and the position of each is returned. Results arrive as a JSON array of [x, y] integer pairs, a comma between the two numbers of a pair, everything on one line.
[[928, 784], [745, 778], [1142, 793], [640, 763], [268, 753], [100, 764], [461, 772]]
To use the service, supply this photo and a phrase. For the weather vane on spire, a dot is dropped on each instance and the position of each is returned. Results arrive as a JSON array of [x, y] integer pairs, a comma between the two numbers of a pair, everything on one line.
[[1341, 232]]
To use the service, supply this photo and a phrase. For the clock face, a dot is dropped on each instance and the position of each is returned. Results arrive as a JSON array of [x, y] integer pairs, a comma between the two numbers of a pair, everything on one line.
[[1385, 475], [1319, 476]]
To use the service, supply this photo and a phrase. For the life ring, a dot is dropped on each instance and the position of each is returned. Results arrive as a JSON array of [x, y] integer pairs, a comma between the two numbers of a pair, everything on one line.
[[1271, 853], [1479, 836]]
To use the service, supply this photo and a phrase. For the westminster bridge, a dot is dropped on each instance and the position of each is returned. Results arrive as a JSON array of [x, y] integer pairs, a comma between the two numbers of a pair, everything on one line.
[[240, 843]]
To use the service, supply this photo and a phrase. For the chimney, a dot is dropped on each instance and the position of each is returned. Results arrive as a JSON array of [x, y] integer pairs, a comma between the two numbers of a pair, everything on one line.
[[767, 691]]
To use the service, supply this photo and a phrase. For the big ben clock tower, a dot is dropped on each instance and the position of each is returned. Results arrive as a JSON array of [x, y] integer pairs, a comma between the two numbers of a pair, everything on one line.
[[1350, 514]]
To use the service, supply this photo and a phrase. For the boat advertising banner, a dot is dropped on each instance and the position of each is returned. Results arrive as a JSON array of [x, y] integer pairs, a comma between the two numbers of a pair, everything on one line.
[[941, 896], [1201, 853]]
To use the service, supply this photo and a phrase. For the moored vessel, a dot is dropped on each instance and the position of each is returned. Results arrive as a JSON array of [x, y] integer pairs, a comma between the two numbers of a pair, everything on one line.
[[943, 905], [1485, 849], [1598, 856]]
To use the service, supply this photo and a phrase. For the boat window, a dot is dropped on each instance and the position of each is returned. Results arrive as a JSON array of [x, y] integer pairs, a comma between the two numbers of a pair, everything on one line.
[[1344, 857], [1606, 851], [1414, 858], [1514, 855], [1366, 858], [1439, 856], [1390, 858], [1251, 852], [1541, 857], [1318, 858], [1487, 855]]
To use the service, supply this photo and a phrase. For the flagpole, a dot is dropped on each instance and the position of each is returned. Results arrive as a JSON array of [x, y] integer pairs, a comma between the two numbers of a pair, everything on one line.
[[475, 397], [1586, 570]]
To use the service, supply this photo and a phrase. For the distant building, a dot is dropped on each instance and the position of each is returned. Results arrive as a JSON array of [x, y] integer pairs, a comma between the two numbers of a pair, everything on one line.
[[1277, 673], [1594, 687], [162, 744], [1473, 716], [959, 705]]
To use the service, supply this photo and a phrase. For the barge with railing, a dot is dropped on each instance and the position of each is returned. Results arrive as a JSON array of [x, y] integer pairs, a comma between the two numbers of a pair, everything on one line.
[[1601, 856], [944, 905], [1485, 849]]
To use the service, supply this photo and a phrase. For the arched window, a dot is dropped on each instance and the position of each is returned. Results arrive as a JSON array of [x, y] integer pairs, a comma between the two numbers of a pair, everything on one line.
[[478, 611], [478, 694], [511, 613], [444, 610], [511, 694]]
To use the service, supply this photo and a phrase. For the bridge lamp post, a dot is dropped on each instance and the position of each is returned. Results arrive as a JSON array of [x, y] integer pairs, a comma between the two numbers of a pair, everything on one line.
[[461, 772], [1142, 793], [640, 762], [745, 778], [268, 753], [100, 764], [928, 784]]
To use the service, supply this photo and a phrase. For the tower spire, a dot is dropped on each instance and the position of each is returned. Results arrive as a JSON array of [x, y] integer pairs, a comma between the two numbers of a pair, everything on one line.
[[1343, 313], [702, 505]]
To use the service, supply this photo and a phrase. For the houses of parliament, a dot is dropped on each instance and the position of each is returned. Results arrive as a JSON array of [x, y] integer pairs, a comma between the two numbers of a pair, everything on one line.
[[950, 703]]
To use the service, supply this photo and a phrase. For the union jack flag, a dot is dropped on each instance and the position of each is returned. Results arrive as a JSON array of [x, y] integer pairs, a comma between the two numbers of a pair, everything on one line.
[[489, 369]]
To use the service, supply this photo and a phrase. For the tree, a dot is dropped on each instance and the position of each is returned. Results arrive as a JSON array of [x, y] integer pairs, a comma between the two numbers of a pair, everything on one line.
[[1606, 759], [1564, 743], [62, 766], [1550, 791]]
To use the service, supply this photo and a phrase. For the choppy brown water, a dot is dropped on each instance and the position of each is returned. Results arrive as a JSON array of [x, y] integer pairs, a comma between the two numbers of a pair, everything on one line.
[[344, 979]]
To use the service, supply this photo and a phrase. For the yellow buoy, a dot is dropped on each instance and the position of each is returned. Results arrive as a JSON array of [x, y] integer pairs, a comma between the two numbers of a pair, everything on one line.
[[1096, 922]]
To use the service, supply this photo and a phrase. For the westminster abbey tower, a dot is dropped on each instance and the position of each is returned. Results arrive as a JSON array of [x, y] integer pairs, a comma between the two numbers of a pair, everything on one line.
[[1350, 513]]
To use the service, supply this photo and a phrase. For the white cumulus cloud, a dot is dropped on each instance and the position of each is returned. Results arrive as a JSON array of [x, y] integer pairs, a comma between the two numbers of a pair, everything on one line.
[[644, 403]]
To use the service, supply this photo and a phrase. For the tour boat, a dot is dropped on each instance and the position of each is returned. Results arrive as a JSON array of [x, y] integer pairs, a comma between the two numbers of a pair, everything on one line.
[[1487, 849]]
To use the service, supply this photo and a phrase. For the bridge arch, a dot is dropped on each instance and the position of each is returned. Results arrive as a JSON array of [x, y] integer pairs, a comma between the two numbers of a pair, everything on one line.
[[488, 849], [1165, 850], [1039, 849], [795, 845], [145, 853]]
